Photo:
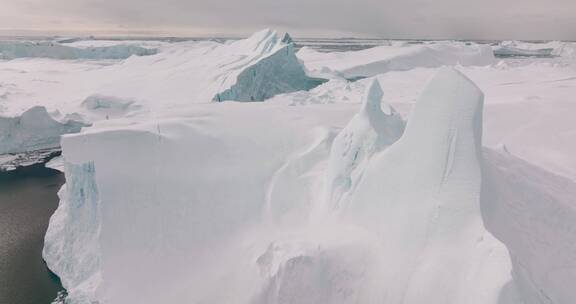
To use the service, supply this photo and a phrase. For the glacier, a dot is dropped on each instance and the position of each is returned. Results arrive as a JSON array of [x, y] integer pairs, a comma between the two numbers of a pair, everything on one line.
[[304, 204]]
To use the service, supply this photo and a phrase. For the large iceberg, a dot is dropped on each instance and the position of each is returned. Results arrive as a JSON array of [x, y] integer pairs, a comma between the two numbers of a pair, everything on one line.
[[305, 205]]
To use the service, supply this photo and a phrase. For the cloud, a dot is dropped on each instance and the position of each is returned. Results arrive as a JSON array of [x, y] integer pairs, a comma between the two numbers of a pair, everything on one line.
[[487, 19]]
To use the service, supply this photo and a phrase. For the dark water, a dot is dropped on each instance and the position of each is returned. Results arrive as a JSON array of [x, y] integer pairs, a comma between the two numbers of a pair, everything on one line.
[[27, 200]]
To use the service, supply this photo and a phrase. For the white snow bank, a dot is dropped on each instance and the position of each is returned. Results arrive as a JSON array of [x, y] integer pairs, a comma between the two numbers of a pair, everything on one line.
[[35, 129], [533, 212], [24, 49], [382, 59]]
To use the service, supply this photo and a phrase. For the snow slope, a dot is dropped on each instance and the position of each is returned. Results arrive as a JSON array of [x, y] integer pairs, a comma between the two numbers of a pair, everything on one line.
[[382, 59]]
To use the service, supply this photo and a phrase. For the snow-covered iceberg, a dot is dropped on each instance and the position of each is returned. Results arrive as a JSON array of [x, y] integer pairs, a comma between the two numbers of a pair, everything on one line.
[[273, 205], [35, 129], [382, 59]]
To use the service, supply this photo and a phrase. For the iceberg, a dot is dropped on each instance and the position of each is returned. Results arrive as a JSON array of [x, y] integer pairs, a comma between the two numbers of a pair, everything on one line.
[[35, 129], [27, 49], [524, 49], [287, 208], [382, 59]]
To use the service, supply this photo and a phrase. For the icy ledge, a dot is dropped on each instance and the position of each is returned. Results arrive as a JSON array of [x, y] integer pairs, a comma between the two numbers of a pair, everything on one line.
[[185, 209]]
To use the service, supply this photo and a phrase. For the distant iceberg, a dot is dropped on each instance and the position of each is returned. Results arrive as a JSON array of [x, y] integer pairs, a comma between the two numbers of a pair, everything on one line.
[[382, 59], [25, 49]]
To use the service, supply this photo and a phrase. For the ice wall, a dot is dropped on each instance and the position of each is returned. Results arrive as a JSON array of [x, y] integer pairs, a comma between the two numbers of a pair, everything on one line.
[[72, 241]]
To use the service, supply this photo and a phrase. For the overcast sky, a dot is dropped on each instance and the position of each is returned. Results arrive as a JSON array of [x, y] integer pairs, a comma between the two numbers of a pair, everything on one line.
[[477, 19]]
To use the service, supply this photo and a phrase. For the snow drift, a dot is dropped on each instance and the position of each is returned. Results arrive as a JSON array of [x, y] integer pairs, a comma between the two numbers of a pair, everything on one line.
[[280, 209], [25, 49], [382, 59]]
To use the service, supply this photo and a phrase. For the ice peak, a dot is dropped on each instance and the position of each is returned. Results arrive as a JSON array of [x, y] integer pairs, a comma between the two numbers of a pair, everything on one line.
[[451, 101], [287, 39]]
